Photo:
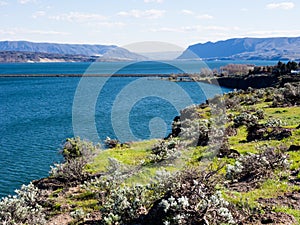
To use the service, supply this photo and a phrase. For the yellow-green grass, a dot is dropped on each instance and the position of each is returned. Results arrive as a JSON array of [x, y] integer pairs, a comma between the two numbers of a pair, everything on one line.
[[204, 113], [269, 189], [147, 174], [287, 210], [239, 143], [262, 105], [294, 160], [87, 205], [134, 155], [290, 116]]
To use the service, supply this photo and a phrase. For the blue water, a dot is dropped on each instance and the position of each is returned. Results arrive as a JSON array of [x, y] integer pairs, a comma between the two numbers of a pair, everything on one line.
[[164, 67], [37, 113]]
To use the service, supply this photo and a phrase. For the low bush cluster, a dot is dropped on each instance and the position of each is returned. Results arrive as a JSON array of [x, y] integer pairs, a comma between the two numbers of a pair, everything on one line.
[[254, 167], [77, 153], [269, 131], [127, 204], [289, 95], [188, 197], [22, 208], [195, 132], [193, 200], [165, 150], [245, 119], [76, 148]]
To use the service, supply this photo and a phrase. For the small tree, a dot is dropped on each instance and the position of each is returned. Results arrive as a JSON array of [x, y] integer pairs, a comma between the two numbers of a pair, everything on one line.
[[77, 154]]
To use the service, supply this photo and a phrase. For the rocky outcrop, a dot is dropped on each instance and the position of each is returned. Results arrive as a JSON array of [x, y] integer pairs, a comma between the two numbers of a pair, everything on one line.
[[253, 81], [244, 82]]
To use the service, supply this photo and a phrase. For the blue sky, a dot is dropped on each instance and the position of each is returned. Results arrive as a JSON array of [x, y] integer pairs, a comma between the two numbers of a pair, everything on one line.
[[123, 22]]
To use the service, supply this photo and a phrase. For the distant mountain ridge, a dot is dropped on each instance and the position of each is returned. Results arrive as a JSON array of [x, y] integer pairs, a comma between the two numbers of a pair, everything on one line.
[[281, 48], [101, 51]]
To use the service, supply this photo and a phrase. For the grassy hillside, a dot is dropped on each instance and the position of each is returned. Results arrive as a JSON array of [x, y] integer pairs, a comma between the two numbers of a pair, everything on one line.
[[235, 160]]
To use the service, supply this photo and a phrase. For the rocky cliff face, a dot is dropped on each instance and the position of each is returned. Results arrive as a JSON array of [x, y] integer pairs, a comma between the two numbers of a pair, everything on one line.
[[246, 49]]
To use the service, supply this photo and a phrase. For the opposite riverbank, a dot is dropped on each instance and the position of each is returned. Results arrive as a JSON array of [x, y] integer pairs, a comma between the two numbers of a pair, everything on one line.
[[234, 82], [89, 75]]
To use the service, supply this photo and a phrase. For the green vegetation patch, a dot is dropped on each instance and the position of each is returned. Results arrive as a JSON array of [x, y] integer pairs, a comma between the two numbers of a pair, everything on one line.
[[134, 155], [289, 115]]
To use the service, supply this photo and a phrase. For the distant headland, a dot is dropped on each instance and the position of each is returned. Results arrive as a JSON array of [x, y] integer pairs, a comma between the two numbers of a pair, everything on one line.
[[277, 48]]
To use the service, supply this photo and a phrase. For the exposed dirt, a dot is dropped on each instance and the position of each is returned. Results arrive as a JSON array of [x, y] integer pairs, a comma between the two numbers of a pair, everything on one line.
[[61, 219], [271, 218], [93, 219], [290, 200], [244, 186]]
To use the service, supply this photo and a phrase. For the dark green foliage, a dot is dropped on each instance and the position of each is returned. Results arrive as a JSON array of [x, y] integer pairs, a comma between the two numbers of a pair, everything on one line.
[[71, 148], [285, 68], [77, 154]]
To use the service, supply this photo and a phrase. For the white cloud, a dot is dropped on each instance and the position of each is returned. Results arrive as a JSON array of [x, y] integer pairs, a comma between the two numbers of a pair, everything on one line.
[[202, 16], [244, 9], [108, 24], [38, 14], [187, 12], [78, 17], [26, 1], [21, 31], [217, 28], [157, 1], [3, 3], [196, 28], [274, 33], [167, 29], [44, 32], [281, 5], [205, 17], [7, 32], [149, 14]]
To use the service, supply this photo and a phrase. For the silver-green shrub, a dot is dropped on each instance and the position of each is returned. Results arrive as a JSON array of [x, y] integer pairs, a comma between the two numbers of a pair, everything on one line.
[[22, 208], [165, 150], [245, 118], [254, 167]]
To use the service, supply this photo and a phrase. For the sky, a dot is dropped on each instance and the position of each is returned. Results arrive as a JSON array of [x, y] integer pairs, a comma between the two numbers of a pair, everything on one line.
[[124, 22]]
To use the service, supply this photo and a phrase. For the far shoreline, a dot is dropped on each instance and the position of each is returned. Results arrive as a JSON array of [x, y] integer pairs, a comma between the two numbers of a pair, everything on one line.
[[92, 75]]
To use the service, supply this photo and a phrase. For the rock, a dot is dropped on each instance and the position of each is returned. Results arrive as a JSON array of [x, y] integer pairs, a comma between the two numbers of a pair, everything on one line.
[[294, 148], [111, 143], [176, 128], [259, 132], [230, 131], [125, 145], [48, 184]]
